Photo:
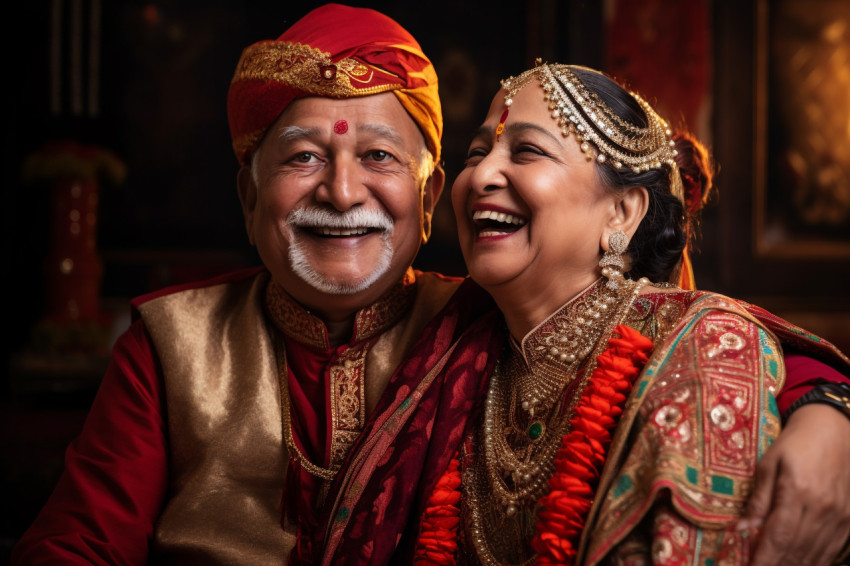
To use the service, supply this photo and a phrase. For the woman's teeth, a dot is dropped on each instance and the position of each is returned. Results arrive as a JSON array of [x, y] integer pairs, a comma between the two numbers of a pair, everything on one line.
[[501, 217], [492, 223]]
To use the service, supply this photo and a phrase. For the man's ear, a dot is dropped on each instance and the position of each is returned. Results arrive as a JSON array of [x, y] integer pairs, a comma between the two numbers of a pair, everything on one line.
[[627, 214], [430, 195], [247, 189]]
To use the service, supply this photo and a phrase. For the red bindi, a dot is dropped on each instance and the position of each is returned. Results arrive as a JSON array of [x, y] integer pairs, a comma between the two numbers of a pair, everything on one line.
[[341, 127]]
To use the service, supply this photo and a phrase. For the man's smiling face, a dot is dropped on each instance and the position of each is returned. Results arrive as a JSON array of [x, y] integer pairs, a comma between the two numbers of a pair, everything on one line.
[[335, 196]]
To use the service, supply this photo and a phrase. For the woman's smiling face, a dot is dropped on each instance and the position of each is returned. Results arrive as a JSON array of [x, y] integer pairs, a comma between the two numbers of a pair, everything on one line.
[[531, 209]]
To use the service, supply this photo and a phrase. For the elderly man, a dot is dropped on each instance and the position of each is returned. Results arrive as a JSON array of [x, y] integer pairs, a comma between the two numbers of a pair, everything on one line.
[[234, 411], [184, 458]]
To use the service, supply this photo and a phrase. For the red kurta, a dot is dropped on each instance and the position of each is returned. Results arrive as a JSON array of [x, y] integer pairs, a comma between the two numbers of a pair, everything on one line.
[[180, 462]]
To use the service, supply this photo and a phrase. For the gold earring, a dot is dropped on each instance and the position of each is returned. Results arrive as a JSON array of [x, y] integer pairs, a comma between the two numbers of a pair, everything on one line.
[[612, 262]]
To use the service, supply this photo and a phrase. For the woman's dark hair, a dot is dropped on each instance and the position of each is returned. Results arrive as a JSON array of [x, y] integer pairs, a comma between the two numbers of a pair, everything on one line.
[[656, 248]]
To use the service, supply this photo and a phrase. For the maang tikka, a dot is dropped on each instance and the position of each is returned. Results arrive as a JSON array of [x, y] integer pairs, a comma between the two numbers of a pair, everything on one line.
[[600, 132]]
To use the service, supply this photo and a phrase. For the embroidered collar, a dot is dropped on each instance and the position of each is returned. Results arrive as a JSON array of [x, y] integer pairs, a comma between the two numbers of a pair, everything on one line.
[[298, 323], [535, 346]]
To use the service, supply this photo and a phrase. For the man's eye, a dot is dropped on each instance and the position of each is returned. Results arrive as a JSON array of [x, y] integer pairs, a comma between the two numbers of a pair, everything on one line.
[[304, 157], [378, 155]]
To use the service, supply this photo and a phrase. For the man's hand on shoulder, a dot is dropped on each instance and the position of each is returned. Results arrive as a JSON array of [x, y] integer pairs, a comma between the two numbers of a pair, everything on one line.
[[799, 510]]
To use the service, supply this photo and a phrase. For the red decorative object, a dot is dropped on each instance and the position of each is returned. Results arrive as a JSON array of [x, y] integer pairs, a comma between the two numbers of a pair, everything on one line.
[[437, 542], [341, 127], [578, 464], [582, 454], [73, 268]]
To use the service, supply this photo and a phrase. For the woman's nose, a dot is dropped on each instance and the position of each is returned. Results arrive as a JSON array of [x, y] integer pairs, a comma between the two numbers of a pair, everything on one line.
[[488, 173]]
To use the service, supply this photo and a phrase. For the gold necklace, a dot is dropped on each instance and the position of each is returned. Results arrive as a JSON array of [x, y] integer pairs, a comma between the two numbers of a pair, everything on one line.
[[326, 474], [513, 476]]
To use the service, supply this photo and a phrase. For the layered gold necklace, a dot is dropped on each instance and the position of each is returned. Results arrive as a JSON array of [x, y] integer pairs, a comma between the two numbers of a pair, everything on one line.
[[529, 405]]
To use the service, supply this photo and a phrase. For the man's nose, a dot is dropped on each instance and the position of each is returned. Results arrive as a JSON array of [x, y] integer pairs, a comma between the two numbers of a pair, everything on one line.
[[344, 186]]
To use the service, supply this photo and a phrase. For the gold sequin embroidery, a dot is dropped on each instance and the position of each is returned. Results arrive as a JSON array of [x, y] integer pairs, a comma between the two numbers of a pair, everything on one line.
[[312, 70]]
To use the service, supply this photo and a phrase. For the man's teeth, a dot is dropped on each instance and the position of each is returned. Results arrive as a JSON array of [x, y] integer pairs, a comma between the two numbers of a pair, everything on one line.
[[498, 217], [340, 231]]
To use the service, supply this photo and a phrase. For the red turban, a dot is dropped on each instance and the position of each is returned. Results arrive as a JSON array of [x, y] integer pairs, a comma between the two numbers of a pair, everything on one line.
[[338, 52]]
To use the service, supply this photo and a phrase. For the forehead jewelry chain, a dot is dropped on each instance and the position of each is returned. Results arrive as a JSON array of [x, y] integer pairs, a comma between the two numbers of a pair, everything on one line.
[[600, 132]]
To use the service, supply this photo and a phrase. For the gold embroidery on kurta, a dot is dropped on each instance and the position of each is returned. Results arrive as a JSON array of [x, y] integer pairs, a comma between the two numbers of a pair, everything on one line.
[[347, 370], [348, 400], [380, 315], [298, 323], [293, 320]]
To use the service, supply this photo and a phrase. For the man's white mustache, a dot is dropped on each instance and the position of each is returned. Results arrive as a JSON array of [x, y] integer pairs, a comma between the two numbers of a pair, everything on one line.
[[331, 219]]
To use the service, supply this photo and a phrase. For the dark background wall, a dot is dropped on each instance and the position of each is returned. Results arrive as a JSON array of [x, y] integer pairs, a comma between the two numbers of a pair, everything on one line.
[[147, 83]]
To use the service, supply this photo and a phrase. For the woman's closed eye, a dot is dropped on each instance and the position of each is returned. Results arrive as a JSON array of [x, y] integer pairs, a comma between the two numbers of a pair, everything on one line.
[[474, 156], [526, 150]]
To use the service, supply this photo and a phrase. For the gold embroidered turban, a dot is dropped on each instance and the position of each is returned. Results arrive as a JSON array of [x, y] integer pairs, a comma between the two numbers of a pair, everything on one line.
[[338, 52]]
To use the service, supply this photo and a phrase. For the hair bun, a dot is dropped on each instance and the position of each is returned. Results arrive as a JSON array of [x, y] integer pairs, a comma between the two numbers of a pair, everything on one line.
[[696, 169], [693, 193]]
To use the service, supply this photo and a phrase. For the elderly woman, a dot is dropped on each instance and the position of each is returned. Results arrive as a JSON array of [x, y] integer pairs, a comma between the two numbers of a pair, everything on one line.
[[625, 416]]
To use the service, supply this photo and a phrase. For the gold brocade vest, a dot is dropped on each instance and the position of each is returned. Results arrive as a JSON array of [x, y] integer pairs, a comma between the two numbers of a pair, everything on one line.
[[216, 347]]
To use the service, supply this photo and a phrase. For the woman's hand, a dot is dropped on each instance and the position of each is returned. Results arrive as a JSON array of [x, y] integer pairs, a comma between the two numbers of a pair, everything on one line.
[[800, 506]]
